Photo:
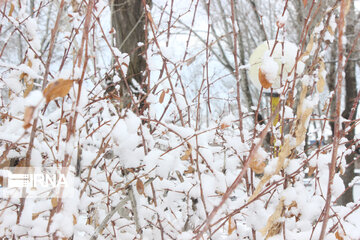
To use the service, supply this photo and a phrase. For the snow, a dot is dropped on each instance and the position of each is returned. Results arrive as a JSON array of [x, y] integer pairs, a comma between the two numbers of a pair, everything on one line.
[[269, 68]]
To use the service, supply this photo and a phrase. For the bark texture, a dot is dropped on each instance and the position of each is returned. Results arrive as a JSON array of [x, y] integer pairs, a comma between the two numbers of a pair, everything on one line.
[[350, 97], [128, 20]]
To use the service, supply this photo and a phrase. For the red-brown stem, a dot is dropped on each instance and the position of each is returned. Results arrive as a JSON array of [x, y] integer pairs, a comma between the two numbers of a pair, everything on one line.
[[341, 25]]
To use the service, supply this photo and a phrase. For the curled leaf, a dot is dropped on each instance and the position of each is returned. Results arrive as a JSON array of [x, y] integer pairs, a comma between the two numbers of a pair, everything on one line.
[[187, 154], [74, 219], [58, 88], [12, 7], [263, 81], [321, 82], [273, 227]]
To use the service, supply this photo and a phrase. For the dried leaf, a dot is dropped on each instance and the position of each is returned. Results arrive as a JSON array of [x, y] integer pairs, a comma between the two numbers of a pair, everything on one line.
[[187, 154], [189, 170], [54, 202], [28, 115], [162, 96], [29, 82], [36, 215], [272, 226], [280, 24], [74, 220], [311, 171], [304, 2], [12, 7], [58, 88], [330, 30], [140, 186], [190, 61], [341, 169], [257, 166], [321, 82], [302, 126], [224, 125], [232, 226], [347, 6], [309, 47], [338, 236], [263, 81]]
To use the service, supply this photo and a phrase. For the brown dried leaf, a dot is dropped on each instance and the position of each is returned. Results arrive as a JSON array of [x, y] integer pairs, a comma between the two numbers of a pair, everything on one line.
[[263, 81], [304, 2], [140, 186], [257, 165], [187, 154], [28, 115], [280, 24], [162, 96], [189, 170], [58, 88], [311, 171], [338, 236], [74, 219], [224, 125], [36, 215]]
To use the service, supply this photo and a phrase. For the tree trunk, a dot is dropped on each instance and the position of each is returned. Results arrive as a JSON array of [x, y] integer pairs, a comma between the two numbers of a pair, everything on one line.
[[128, 20], [351, 92]]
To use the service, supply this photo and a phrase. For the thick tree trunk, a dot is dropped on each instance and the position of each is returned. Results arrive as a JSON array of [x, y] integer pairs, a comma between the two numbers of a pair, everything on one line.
[[351, 92], [128, 20]]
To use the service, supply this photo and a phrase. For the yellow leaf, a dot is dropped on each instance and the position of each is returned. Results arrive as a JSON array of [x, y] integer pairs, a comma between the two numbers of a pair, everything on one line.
[[35, 215], [74, 219], [140, 186], [28, 115], [58, 88], [263, 81], [54, 202], [232, 226], [12, 7]]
